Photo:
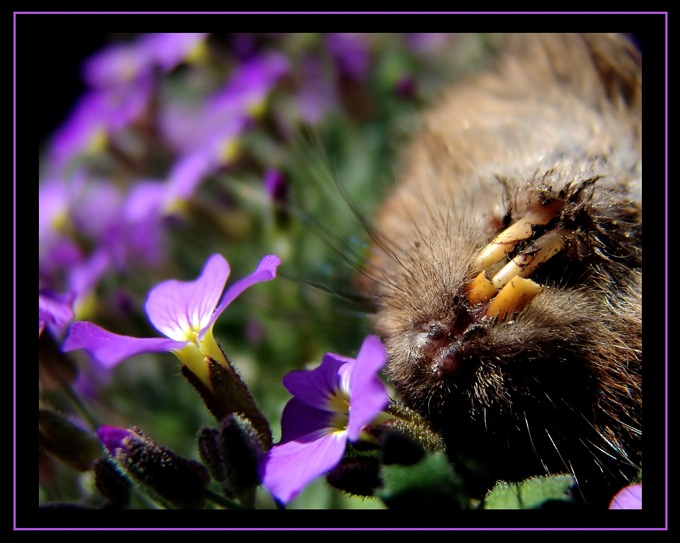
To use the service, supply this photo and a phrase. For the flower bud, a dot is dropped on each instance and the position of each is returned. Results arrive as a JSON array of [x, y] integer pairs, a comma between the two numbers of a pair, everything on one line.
[[228, 394], [241, 448], [356, 475], [174, 480], [67, 441], [211, 454]]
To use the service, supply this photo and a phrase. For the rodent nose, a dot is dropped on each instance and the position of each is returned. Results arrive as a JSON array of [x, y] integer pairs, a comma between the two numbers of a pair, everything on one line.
[[438, 343]]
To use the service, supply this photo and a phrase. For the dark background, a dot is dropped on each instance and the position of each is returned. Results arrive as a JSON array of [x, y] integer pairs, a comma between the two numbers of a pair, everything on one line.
[[62, 67]]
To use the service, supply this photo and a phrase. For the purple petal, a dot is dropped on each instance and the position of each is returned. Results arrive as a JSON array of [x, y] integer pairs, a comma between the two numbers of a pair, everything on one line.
[[109, 349], [265, 271], [368, 394], [178, 307], [629, 497], [315, 387], [286, 469], [299, 420]]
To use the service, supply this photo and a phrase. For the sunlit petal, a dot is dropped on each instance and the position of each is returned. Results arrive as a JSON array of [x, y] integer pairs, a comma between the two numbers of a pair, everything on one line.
[[286, 469], [300, 420], [176, 308], [368, 394], [109, 349], [316, 387], [265, 271]]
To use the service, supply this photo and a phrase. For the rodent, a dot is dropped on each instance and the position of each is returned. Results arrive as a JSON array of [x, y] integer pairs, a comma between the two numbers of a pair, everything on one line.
[[535, 160]]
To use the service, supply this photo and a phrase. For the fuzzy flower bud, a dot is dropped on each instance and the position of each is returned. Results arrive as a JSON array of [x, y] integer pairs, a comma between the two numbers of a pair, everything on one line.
[[173, 479]]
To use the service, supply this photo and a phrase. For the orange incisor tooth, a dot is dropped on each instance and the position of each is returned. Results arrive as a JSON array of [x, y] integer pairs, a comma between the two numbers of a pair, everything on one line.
[[513, 297], [520, 230], [524, 264], [480, 289]]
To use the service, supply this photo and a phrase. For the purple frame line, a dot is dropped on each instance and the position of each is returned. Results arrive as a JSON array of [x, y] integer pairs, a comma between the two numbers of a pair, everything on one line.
[[343, 13], [14, 272], [666, 348], [666, 257]]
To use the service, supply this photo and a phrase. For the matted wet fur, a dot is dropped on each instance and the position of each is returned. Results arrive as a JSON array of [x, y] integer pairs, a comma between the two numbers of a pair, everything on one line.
[[554, 385]]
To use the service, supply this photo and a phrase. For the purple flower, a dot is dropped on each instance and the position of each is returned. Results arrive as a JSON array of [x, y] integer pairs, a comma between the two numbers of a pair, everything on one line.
[[629, 497], [184, 311], [331, 404]]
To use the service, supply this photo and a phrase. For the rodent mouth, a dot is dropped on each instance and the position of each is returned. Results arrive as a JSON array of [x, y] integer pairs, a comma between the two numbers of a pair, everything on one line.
[[499, 291], [533, 242]]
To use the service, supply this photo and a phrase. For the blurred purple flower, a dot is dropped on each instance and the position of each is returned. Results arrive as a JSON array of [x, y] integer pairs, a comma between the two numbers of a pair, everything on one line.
[[250, 85], [405, 87], [194, 167], [629, 497], [88, 226], [189, 128], [351, 54], [184, 311], [331, 404], [276, 185], [123, 63], [56, 249], [168, 50], [54, 310], [427, 42], [97, 115], [317, 94]]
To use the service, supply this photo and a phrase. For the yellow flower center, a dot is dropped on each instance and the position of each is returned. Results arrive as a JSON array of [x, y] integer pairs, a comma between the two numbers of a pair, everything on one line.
[[193, 355]]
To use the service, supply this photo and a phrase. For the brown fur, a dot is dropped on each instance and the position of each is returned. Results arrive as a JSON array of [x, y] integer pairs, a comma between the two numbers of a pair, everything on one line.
[[558, 387]]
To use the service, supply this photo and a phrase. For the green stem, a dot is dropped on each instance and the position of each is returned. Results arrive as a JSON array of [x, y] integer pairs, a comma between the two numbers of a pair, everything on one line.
[[221, 500], [82, 407]]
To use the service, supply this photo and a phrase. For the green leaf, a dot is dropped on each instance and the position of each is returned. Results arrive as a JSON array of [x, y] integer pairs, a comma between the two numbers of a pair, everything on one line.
[[533, 493], [427, 484]]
